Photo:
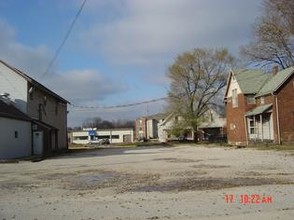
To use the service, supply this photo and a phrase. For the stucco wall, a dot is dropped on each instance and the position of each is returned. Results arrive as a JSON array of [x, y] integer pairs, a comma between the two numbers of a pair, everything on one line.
[[46, 108]]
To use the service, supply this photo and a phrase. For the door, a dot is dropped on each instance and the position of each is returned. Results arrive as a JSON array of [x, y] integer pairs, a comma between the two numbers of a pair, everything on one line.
[[127, 138], [38, 142]]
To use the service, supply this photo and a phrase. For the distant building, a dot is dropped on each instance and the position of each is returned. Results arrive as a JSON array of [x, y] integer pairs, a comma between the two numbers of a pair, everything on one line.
[[146, 127], [93, 135], [47, 110], [212, 128]]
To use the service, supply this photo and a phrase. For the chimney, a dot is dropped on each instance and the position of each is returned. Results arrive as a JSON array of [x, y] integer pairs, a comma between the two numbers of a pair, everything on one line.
[[275, 70], [5, 98]]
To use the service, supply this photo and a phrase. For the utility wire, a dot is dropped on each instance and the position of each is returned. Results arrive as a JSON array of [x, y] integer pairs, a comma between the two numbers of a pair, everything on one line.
[[118, 106], [57, 52]]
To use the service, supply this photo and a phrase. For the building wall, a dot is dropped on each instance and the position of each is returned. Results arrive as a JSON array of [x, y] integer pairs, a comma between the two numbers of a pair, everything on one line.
[[15, 85], [236, 132], [45, 107], [141, 128], [286, 111], [114, 136], [15, 138]]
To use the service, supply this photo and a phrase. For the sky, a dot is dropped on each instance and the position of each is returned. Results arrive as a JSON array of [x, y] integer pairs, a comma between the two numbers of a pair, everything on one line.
[[118, 51]]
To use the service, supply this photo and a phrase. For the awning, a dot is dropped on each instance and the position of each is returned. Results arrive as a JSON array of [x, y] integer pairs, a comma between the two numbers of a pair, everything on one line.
[[258, 110]]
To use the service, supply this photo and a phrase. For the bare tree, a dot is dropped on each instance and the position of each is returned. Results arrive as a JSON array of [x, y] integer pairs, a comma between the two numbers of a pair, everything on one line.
[[98, 123], [273, 35], [197, 77]]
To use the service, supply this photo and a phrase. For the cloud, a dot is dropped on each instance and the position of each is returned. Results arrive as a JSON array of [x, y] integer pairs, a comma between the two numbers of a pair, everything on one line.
[[81, 86], [149, 32], [84, 87], [29, 59]]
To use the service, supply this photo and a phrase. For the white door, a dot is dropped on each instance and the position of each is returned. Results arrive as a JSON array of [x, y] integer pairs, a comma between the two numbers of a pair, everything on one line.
[[38, 142]]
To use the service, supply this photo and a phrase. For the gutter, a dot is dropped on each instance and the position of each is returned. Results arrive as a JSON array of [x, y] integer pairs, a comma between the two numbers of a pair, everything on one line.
[[246, 130], [277, 118]]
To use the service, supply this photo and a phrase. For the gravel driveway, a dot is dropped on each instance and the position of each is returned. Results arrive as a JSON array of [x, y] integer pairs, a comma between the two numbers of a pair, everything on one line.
[[184, 182]]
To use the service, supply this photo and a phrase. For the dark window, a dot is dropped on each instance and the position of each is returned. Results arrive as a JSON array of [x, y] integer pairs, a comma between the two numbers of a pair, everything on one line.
[[56, 109], [16, 134], [250, 99], [234, 98]]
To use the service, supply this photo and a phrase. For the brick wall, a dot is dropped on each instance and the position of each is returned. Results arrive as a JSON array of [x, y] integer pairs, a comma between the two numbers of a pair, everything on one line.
[[236, 130], [286, 110]]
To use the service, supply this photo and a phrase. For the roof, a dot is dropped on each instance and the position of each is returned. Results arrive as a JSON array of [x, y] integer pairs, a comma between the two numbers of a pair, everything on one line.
[[157, 116], [34, 82], [8, 110], [251, 81], [258, 110], [44, 125], [276, 81]]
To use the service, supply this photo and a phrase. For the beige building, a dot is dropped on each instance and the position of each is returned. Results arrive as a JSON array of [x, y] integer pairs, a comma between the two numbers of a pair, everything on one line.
[[47, 110]]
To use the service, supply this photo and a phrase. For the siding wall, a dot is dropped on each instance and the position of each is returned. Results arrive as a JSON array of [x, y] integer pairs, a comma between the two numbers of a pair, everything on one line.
[[15, 85], [11, 146]]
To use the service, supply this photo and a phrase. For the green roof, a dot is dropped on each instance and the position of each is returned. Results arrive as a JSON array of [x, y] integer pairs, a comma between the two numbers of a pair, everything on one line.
[[276, 81], [251, 81], [258, 110]]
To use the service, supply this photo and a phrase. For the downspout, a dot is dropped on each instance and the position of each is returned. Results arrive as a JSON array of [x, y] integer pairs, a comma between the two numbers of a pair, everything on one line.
[[277, 118], [246, 131]]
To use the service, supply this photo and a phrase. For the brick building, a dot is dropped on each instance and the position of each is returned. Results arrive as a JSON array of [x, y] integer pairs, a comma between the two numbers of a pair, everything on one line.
[[260, 107], [146, 126]]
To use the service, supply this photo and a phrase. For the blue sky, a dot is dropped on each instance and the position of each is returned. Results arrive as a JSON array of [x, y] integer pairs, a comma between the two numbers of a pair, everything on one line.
[[119, 50]]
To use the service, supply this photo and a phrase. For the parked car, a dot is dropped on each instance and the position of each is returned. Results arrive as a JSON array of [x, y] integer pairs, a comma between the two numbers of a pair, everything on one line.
[[104, 141]]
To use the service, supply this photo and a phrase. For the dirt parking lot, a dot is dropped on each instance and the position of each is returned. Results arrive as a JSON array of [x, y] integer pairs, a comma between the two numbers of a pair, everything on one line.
[[183, 182]]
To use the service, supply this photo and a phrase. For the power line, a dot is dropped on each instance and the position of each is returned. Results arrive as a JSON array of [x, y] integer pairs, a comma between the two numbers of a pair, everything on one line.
[[83, 108], [57, 52]]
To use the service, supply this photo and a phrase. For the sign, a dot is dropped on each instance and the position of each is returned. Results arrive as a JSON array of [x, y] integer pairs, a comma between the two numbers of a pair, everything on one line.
[[92, 133]]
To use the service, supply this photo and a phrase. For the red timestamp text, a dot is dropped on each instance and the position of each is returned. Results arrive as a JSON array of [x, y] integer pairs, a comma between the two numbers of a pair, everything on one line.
[[248, 199]]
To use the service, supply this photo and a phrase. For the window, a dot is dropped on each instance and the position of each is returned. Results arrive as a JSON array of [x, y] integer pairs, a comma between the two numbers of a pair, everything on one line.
[[16, 134], [250, 99], [56, 108], [261, 100], [251, 125], [234, 98]]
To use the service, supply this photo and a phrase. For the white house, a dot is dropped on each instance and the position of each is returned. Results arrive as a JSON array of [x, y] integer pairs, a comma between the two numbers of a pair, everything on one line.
[[166, 124], [15, 131], [213, 126], [93, 135]]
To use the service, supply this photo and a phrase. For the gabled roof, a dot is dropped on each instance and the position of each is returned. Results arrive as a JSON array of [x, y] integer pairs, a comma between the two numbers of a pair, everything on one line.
[[251, 81], [276, 81], [8, 110], [34, 82]]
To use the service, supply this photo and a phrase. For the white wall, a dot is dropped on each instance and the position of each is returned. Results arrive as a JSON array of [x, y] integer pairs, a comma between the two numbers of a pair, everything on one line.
[[15, 85], [10, 146], [233, 85], [107, 132]]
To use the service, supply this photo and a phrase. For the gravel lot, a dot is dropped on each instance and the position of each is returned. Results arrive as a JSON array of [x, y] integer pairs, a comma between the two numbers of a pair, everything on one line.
[[183, 182]]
